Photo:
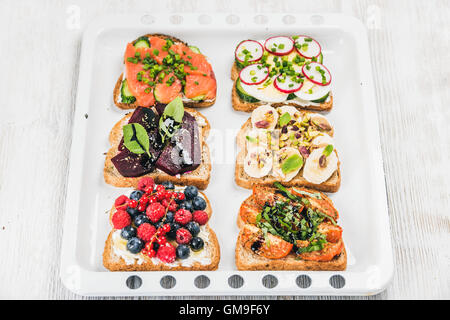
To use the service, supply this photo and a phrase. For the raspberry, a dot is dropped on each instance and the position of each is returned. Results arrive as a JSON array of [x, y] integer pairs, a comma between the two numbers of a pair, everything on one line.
[[120, 201], [173, 206], [121, 219], [183, 236], [166, 253], [145, 183], [155, 212], [200, 216], [183, 216], [146, 231]]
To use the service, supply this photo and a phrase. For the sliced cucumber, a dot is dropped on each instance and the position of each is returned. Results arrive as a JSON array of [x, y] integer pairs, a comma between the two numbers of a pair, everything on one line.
[[323, 99], [195, 49], [142, 42], [244, 95], [125, 93], [291, 96], [199, 98]]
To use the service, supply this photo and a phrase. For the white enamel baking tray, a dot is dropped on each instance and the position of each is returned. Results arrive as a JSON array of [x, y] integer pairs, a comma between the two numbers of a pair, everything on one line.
[[361, 199]]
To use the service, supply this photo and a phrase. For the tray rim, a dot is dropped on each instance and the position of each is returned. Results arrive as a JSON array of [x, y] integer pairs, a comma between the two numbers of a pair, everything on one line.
[[79, 280]]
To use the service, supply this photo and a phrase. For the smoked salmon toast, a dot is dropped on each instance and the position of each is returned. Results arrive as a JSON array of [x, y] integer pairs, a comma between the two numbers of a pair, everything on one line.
[[159, 68], [289, 229]]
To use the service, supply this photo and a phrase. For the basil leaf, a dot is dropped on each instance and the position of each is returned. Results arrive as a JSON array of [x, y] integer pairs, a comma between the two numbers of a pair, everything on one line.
[[292, 163], [328, 150], [251, 139], [284, 119], [175, 110], [135, 138]]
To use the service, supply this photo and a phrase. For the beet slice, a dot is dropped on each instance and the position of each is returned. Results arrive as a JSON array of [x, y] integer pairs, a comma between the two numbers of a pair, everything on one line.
[[183, 153], [134, 165]]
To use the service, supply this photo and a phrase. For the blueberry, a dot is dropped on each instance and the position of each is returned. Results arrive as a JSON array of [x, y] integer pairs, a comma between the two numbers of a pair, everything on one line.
[[168, 185], [169, 216], [135, 245], [133, 212], [190, 192], [155, 246], [128, 232], [158, 224], [186, 205], [193, 227], [172, 234], [136, 195], [140, 219], [199, 203], [197, 244], [183, 251]]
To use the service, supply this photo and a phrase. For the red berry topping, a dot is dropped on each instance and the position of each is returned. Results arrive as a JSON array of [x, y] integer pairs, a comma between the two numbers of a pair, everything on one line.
[[132, 203], [162, 240], [160, 188], [145, 183], [155, 212], [152, 199], [181, 196], [183, 236], [141, 207], [165, 203], [173, 206], [167, 194], [200, 216], [120, 201], [166, 253], [159, 195], [151, 253], [146, 231], [148, 190], [183, 216], [120, 219], [144, 199], [166, 228]]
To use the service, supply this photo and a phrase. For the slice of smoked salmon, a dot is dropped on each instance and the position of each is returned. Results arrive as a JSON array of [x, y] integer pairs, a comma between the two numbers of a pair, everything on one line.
[[198, 63], [168, 89], [140, 90], [156, 49], [199, 85]]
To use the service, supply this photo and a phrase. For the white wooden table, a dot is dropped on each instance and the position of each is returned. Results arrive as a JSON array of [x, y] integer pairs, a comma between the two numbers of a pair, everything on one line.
[[39, 55]]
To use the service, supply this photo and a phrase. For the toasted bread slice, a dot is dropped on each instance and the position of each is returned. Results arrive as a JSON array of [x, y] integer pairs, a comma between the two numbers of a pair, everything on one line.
[[199, 177], [245, 181], [247, 260], [187, 103], [114, 262], [240, 105]]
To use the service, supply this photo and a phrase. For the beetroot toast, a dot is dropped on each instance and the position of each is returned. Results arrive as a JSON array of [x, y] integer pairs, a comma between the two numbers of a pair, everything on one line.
[[117, 258], [154, 73], [265, 244], [198, 177]]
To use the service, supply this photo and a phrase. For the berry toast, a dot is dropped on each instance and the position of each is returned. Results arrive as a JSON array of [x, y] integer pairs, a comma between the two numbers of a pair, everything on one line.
[[161, 228]]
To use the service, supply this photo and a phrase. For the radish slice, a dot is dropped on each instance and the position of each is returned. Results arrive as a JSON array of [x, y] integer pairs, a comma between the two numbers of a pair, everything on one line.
[[317, 73], [251, 48], [311, 91], [285, 84], [279, 46], [307, 47], [254, 74]]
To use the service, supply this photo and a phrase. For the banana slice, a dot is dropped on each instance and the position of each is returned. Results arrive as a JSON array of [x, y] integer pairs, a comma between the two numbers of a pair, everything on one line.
[[314, 172], [280, 157], [293, 112], [264, 117], [322, 122], [258, 162], [322, 141]]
